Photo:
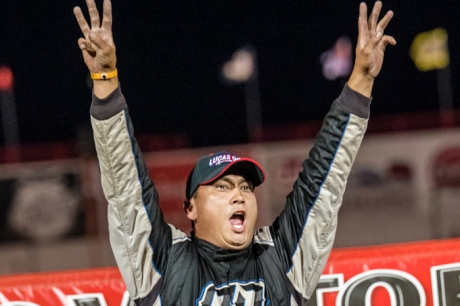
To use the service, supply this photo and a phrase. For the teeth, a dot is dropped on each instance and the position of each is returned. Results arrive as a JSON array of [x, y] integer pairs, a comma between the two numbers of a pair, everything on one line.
[[238, 226]]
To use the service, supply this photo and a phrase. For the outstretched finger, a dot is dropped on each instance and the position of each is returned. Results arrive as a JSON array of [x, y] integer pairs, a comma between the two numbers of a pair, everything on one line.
[[363, 28], [93, 14], [375, 16], [107, 16], [384, 22], [84, 27], [362, 20]]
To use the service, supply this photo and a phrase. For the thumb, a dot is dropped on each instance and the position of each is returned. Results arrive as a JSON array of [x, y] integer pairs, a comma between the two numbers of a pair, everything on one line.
[[82, 43], [386, 40], [389, 40]]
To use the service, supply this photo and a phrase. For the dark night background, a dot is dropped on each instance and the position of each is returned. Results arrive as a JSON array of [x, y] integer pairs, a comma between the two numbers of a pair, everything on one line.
[[170, 54]]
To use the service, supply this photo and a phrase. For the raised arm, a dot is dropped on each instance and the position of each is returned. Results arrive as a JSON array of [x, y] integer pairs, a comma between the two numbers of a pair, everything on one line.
[[304, 232], [139, 237]]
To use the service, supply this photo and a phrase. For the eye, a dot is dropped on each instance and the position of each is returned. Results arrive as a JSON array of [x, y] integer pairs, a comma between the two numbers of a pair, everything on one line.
[[220, 186], [246, 188]]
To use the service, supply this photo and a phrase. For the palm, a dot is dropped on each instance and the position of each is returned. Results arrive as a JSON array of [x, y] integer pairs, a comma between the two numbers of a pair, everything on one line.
[[372, 58], [95, 58]]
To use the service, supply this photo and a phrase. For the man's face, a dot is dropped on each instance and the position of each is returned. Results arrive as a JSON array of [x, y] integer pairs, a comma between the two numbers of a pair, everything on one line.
[[225, 211]]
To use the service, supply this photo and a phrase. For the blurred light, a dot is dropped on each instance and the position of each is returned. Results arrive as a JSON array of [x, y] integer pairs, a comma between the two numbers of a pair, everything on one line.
[[337, 61], [6, 79], [429, 50], [241, 67]]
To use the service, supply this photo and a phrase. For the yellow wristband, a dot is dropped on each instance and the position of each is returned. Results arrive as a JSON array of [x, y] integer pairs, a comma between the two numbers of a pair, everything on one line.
[[105, 75]]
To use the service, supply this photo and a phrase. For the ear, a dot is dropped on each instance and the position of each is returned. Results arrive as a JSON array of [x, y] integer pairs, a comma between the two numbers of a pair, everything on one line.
[[190, 209]]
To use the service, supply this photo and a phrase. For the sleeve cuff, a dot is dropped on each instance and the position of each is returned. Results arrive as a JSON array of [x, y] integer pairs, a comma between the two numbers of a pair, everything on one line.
[[354, 102], [102, 109]]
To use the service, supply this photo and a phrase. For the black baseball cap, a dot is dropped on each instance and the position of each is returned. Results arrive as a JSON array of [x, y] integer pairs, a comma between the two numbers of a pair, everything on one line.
[[210, 167]]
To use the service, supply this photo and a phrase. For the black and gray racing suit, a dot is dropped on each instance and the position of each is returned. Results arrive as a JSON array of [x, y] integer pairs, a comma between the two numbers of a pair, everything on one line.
[[161, 265]]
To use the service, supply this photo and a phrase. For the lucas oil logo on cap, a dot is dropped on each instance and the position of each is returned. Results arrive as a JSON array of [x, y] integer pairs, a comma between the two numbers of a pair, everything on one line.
[[224, 158]]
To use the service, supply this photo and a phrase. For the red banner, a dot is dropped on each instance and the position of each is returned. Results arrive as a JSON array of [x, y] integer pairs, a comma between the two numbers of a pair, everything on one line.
[[424, 273]]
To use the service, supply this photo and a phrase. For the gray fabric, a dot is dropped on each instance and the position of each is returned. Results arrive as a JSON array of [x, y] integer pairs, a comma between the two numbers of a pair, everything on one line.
[[129, 225], [103, 109], [354, 102]]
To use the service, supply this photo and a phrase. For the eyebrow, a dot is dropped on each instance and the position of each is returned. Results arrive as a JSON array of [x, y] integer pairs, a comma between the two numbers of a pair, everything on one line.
[[240, 181]]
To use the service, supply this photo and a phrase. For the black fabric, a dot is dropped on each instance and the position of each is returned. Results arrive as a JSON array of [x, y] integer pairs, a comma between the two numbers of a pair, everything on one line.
[[307, 186]]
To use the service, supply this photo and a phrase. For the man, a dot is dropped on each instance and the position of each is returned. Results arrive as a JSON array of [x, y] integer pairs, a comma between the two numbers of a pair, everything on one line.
[[225, 261]]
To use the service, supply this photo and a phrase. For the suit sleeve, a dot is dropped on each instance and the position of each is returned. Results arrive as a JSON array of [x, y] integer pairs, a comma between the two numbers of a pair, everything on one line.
[[139, 236], [304, 232]]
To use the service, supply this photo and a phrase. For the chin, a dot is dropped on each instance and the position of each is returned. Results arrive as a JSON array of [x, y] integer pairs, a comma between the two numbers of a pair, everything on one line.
[[238, 244], [236, 247]]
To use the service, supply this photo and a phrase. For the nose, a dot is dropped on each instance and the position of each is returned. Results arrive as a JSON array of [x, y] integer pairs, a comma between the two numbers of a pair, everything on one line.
[[237, 197]]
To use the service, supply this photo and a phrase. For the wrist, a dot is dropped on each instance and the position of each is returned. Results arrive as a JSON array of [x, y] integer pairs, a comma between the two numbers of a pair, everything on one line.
[[103, 88], [361, 83], [104, 75]]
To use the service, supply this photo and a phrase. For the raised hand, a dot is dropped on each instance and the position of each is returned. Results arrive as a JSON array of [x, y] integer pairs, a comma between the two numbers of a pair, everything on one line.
[[97, 46], [370, 48]]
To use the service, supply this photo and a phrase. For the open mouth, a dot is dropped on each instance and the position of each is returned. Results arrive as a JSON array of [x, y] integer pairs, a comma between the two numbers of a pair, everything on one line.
[[237, 220]]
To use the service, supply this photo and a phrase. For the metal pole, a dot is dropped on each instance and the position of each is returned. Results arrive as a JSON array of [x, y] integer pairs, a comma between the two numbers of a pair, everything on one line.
[[446, 105], [9, 118], [252, 99], [10, 126]]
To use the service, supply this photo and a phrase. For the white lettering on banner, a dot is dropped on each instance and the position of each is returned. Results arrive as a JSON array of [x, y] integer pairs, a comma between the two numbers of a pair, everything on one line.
[[17, 303], [226, 158], [126, 299], [406, 289], [84, 299], [3, 299], [445, 281], [391, 292], [327, 283], [88, 299], [403, 288]]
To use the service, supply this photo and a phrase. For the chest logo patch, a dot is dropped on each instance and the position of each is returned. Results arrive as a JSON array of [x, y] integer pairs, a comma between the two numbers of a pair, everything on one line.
[[234, 294]]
